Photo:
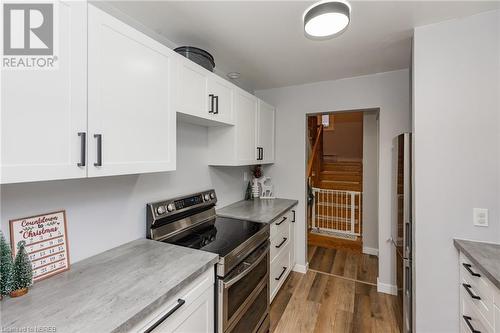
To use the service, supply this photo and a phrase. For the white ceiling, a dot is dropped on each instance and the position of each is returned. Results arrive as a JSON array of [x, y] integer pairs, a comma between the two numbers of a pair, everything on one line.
[[264, 40]]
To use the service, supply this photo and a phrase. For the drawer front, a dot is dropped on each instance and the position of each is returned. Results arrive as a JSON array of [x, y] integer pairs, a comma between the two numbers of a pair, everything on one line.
[[188, 295], [470, 289], [497, 319], [471, 319], [469, 272], [279, 241], [281, 223], [280, 268]]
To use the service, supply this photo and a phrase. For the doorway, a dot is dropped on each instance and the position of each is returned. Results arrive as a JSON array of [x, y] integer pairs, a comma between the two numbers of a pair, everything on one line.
[[342, 178]]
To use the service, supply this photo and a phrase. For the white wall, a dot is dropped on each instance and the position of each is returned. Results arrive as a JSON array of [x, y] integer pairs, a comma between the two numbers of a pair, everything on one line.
[[387, 91], [456, 153], [106, 212], [370, 182]]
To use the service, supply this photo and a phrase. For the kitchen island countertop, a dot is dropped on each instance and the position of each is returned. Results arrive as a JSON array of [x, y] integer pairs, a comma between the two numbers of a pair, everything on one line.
[[109, 292], [257, 210]]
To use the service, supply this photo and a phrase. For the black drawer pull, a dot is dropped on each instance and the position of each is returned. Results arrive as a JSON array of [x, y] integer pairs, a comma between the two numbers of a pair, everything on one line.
[[281, 222], [180, 302], [467, 321], [282, 242], [469, 291], [468, 268], [293, 211], [283, 272]]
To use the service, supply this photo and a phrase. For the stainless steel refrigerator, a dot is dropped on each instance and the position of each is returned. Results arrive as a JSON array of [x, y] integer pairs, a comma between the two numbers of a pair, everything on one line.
[[402, 235]]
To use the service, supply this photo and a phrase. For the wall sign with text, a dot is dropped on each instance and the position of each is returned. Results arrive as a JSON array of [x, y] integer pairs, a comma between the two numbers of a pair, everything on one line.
[[46, 242]]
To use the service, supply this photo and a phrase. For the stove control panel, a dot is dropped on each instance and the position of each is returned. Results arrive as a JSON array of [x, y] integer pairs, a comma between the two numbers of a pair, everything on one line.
[[165, 208]]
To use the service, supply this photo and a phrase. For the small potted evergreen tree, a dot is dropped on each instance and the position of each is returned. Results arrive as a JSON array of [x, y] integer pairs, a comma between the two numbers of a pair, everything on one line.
[[22, 272], [5, 267]]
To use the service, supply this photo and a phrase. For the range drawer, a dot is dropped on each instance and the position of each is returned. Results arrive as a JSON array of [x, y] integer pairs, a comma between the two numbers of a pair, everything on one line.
[[280, 240], [280, 268], [470, 319]]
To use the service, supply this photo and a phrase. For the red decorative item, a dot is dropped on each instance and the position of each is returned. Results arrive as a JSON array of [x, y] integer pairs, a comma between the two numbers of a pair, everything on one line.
[[257, 171]]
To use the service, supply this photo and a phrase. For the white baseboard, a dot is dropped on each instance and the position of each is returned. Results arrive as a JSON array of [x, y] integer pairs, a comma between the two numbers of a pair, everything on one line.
[[370, 250], [386, 288], [301, 268]]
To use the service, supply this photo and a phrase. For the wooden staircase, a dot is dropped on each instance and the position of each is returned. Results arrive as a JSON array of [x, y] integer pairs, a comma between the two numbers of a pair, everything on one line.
[[346, 176]]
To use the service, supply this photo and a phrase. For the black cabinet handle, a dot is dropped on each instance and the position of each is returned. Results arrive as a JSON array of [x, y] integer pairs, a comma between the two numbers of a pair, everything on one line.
[[180, 302], [216, 111], [261, 153], [467, 321], [83, 142], [281, 222], [282, 242], [258, 153], [211, 96], [293, 212], [99, 149], [468, 268], [468, 287], [283, 272]]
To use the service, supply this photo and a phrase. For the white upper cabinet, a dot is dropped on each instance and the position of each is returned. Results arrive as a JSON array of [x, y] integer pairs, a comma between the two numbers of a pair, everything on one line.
[[220, 93], [191, 87], [251, 140], [246, 127], [43, 111], [202, 97], [266, 132], [131, 122]]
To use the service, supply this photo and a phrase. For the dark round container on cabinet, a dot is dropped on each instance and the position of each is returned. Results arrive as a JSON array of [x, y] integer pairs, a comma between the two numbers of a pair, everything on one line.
[[197, 55]]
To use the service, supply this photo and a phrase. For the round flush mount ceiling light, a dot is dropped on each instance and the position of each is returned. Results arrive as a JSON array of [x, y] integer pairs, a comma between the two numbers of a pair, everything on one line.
[[233, 75], [326, 19]]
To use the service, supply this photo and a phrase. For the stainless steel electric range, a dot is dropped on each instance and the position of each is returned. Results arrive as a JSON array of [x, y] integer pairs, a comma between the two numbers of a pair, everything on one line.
[[242, 281]]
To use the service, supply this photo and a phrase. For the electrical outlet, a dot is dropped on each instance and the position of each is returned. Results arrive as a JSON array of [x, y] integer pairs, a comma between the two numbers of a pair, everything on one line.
[[480, 217], [245, 176]]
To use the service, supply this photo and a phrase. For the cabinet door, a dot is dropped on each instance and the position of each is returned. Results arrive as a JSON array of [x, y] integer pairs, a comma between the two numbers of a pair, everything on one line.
[[44, 110], [196, 318], [191, 86], [245, 109], [222, 92], [130, 100], [266, 128]]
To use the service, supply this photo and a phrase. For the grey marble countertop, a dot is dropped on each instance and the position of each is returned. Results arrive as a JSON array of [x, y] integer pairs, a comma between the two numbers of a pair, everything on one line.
[[109, 292], [257, 210], [486, 256]]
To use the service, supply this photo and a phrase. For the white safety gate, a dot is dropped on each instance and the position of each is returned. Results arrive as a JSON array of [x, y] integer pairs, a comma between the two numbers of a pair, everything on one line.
[[337, 212]]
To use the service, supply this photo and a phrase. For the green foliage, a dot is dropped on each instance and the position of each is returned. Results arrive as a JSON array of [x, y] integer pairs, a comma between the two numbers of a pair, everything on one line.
[[5, 266], [22, 271]]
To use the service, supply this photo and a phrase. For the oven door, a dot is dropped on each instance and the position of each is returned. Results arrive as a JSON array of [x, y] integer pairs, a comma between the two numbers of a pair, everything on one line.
[[243, 295]]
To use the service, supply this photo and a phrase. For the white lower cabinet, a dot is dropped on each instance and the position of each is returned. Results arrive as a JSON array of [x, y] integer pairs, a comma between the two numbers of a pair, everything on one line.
[[190, 311], [479, 300], [282, 250]]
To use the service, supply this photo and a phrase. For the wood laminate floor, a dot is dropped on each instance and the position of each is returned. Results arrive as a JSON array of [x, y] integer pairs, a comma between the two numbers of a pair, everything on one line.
[[318, 302], [344, 263]]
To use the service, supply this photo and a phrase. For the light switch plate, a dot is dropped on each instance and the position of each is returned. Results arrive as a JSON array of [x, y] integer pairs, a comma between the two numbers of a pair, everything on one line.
[[480, 217], [245, 176]]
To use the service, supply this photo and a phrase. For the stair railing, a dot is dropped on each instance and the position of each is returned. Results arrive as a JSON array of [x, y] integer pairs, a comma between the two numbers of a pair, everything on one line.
[[316, 159]]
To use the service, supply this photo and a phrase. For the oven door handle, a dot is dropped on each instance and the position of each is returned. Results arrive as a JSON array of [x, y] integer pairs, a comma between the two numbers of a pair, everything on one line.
[[240, 276]]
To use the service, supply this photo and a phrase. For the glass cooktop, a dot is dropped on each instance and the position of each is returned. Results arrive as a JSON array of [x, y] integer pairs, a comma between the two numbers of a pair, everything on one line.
[[220, 235]]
